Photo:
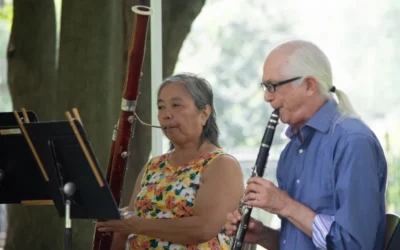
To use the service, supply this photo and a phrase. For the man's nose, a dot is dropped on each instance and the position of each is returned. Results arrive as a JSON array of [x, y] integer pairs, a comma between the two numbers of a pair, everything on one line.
[[268, 96]]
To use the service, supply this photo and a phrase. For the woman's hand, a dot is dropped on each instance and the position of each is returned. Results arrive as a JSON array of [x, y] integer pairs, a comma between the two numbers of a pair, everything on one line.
[[254, 230], [126, 226]]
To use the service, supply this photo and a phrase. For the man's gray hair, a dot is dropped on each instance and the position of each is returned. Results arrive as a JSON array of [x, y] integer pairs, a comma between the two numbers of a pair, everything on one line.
[[307, 59], [202, 94]]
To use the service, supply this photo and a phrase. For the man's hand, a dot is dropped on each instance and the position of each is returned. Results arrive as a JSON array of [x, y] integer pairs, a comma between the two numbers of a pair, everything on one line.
[[264, 194], [254, 230]]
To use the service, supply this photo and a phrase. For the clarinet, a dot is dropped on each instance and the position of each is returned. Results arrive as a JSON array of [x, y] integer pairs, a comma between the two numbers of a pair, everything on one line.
[[258, 170]]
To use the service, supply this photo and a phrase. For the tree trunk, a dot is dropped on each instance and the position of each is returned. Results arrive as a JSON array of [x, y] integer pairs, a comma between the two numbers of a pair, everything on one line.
[[89, 67], [177, 21], [90, 79], [31, 56], [31, 76]]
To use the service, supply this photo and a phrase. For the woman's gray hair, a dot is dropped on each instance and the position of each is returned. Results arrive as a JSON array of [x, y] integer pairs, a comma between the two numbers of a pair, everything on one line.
[[202, 94], [307, 59]]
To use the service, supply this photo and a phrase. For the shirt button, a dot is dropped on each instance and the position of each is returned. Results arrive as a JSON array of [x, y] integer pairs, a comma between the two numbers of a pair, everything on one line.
[[301, 151], [298, 181], [284, 241]]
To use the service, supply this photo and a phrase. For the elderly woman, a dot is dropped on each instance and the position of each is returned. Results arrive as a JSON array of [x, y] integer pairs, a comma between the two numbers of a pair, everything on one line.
[[181, 198]]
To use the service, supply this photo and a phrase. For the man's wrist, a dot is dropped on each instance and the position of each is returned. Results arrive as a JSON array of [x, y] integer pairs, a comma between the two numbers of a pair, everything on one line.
[[263, 236], [286, 211], [268, 238]]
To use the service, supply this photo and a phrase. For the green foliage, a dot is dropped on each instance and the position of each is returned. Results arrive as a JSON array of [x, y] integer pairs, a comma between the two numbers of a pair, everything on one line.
[[6, 13], [5, 101], [233, 53], [393, 185]]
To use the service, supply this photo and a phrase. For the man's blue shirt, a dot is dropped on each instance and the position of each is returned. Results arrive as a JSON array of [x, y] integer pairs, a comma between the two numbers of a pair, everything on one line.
[[335, 165]]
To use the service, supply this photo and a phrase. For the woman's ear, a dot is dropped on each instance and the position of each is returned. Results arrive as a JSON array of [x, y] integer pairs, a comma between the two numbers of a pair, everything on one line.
[[206, 112]]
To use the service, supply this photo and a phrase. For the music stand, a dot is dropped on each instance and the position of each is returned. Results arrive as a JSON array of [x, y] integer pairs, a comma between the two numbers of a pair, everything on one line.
[[76, 184], [20, 179], [7, 119]]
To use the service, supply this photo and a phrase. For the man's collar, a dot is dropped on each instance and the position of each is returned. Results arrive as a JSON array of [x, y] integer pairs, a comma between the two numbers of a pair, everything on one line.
[[320, 121]]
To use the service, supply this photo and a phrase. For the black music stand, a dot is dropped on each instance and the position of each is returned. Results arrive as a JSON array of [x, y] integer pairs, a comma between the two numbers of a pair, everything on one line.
[[75, 182], [7, 119], [21, 181]]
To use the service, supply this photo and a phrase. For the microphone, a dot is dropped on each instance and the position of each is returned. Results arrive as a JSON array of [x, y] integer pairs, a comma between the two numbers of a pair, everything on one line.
[[69, 189]]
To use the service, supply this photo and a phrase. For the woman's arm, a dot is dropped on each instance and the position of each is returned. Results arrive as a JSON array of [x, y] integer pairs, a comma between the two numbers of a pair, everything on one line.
[[119, 239], [219, 193]]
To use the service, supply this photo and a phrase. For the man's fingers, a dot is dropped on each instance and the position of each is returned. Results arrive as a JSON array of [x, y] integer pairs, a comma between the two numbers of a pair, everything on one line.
[[231, 219], [250, 197], [229, 232], [234, 217], [256, 180], [252, 224], [230, 227], [237, 215], [254, 188]]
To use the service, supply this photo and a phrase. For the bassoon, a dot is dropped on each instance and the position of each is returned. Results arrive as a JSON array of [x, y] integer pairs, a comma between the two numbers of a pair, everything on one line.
[[124, 130], [258, 170]]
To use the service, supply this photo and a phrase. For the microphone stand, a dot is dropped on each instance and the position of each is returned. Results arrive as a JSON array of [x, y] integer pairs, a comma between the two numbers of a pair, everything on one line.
[[69, 190]]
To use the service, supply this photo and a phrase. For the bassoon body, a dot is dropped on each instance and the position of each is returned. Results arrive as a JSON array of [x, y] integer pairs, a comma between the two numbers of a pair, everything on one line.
[[258, 170], [124, 130]]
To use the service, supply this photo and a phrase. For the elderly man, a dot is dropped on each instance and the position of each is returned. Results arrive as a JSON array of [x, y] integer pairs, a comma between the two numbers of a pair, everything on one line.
[[332, 173]]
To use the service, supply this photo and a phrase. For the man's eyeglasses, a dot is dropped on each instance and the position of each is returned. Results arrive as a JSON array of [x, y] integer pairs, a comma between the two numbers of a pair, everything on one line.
[[271, 87]]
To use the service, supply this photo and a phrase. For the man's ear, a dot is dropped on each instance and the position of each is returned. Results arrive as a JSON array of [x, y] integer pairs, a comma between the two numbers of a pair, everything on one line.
[[311, 84], [206, 112]]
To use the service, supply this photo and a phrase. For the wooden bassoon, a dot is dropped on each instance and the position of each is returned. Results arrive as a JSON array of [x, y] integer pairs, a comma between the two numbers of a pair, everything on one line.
[[124, 130]]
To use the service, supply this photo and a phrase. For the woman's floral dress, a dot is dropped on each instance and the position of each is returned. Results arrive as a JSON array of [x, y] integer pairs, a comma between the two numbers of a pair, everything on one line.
[[169, 192]]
